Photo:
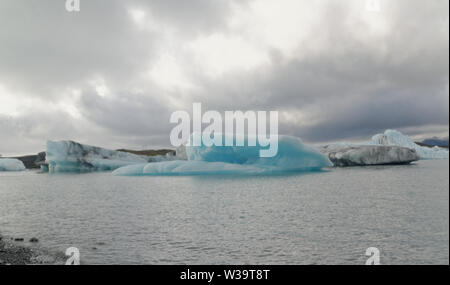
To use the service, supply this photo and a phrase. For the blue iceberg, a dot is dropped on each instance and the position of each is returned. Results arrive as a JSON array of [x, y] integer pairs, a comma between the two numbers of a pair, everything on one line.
[[11, 164], [292, 156], [69, 156]]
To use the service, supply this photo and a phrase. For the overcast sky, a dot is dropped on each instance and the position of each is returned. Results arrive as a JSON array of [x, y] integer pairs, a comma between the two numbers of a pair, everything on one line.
[[111, 74]]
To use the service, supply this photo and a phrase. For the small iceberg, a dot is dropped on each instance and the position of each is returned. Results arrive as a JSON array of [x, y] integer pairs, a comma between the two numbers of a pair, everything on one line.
[[390, 138], [393, 137], [292, 156], [11, 164], [362, 155], [69, 156]]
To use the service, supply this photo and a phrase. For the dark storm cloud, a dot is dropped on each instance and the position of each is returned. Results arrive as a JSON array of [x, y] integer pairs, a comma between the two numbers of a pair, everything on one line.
[[44, 48], [356, 89], [128, 114], [342, 79]]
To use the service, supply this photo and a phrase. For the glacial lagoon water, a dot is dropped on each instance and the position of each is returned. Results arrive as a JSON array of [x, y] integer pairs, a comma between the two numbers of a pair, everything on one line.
[[327, 217]]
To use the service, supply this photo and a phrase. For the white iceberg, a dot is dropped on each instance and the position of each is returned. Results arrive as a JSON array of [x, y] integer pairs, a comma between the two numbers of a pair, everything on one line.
[[393, 137], [292, 156], [69, 156], [396, 138], [11, 164]]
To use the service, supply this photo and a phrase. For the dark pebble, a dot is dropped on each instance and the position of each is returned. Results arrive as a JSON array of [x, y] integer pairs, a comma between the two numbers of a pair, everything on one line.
[[34, 239], [18, 239]]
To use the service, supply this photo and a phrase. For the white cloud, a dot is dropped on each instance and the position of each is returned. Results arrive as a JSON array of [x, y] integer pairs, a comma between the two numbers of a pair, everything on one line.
[[138, 16], [99, 85], [14, 104], [281, 25], [168, 73], [10, 105], [219, 53]]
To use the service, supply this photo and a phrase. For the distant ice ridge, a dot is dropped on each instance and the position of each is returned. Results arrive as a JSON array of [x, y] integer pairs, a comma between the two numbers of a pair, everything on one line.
[[69, 156], [11, 164], [392, 137], [292, 156]]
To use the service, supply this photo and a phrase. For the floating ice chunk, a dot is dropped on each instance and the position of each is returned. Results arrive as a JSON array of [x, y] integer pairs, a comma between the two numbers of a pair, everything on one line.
[[392, 137], [134, 169], [11, 164], [292, 155], [69, 156], [396, 138], [184, 167], [361, 155], [180, 153]]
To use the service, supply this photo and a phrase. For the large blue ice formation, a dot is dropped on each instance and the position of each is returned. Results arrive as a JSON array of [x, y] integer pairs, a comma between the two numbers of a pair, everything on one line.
[[69, 156], [11, 164], [292, 156]]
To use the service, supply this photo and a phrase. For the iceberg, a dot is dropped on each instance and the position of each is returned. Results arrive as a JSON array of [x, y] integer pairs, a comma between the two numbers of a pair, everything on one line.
[[393, 137], [362, 155], [292, 156], [11, 164], [69, 156]]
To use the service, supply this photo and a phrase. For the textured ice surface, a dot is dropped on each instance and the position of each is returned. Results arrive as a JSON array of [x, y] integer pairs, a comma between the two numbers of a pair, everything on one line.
[[11, 164], [396, 138], [392, 137], [360, 155], [292, 155], [69, 156]]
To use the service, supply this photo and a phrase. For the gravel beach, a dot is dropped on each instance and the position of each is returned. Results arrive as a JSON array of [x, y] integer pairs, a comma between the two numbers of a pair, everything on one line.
[[16, 251]]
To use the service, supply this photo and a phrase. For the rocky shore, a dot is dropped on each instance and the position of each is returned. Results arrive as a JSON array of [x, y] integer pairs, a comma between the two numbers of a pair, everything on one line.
[[18, 251]]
